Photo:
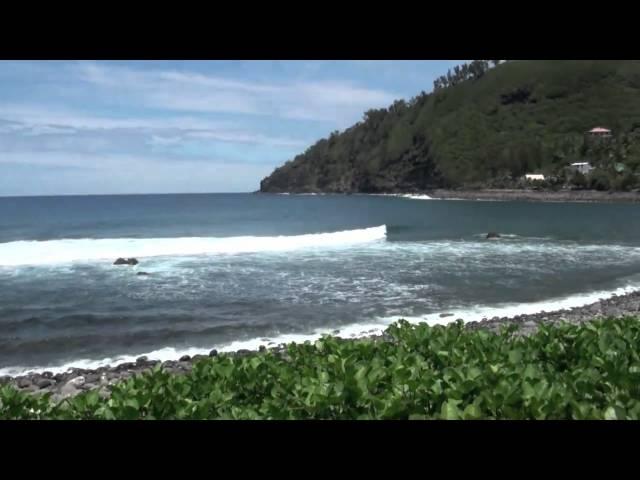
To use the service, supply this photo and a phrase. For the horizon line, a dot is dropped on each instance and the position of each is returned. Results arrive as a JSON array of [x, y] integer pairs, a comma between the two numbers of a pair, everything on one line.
[[125, 194]]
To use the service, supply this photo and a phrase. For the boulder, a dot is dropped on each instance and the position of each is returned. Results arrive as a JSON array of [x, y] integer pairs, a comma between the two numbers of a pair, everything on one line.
[[23, 382], [493, 235], [141, 360], [142, 274], [126, 261], [43, 383], [213, 353]]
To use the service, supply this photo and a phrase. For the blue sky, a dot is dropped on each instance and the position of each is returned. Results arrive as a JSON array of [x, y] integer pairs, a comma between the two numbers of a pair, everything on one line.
[[180, 126]]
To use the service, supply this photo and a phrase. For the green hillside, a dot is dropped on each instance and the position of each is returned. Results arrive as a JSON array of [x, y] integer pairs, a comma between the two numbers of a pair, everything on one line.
[[485, 128]]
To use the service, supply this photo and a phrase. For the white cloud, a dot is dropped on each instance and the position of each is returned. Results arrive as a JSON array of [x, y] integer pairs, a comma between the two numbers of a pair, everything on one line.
[[59, 117], [33, 121], [340, 102], [249, 138]]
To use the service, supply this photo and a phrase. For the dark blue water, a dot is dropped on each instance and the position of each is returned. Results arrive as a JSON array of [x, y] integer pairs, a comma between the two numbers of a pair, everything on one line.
[[237, 270]]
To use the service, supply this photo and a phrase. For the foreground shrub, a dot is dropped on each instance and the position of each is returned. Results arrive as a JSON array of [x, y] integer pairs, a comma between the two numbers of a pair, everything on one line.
[[591, 371]]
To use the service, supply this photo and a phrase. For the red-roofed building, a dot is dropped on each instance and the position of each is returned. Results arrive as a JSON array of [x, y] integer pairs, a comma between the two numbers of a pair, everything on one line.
[[600, 132]]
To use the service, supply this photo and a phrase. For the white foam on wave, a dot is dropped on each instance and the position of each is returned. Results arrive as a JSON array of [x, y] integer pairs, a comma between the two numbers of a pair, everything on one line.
[[419, 197], [356, 330], [73, 250], [477, 313]]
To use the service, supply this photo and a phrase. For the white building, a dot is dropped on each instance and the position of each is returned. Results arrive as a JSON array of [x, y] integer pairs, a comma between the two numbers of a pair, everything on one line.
[[533, 176], [582, 167]]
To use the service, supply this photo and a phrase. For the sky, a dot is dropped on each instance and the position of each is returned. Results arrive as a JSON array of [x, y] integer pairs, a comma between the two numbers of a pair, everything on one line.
[[106, 127]]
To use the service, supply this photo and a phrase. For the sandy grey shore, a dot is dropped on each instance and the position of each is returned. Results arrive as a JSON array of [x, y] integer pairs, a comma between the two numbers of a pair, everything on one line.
[[77, 380], [538, 195]]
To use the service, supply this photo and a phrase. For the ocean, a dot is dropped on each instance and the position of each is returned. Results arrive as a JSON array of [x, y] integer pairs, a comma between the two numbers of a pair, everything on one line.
[[233, 271]]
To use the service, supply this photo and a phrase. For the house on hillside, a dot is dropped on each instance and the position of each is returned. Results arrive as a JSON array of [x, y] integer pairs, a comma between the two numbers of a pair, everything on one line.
[[582, 167], [533, 176], [599, 132]]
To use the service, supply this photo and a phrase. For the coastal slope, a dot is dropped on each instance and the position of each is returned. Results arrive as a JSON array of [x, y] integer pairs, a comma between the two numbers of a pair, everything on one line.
[[483, 132]]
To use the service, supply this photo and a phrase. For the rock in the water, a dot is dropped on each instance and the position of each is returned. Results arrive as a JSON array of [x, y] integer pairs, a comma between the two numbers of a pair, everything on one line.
[[213, 353], [443, 315], [142, 274], [126, 261], [493, 235], [142, 360]]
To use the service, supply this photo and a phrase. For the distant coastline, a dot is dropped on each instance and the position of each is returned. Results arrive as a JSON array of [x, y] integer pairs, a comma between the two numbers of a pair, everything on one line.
[[537, 195], [579, 196]]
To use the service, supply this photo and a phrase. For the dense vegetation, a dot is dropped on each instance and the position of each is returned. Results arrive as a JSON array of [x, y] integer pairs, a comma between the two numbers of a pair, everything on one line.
[[486, 124], [591, 371]]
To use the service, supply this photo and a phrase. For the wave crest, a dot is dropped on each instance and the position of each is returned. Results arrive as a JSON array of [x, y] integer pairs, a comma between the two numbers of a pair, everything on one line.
[[87, 250]]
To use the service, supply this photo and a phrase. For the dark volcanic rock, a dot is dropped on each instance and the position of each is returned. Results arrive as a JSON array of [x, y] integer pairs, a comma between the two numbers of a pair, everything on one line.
[[493, 235], [125, 366], [43, 383], [142, 274], [23, 382], [185, 358], [443, 315], [141, 360], [213, 353], [126, 261]]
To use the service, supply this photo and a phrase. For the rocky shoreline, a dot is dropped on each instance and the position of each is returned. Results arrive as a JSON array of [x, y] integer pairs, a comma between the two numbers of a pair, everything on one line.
[[590, 196], [76, 380]]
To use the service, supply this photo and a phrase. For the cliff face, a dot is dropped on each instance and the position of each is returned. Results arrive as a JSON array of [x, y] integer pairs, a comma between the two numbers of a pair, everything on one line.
[[414, 170], [519, 117]]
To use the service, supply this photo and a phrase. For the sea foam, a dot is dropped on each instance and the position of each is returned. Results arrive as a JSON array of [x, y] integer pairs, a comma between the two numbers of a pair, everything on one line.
[[87, 250]]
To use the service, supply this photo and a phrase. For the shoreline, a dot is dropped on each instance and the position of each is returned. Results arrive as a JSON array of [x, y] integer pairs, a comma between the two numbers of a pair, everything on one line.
[[497, 195], [569, 196], [77, 380]]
